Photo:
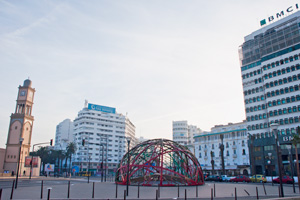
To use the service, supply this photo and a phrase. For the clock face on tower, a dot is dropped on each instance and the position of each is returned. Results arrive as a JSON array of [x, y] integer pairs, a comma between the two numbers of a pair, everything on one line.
[[23, 93]]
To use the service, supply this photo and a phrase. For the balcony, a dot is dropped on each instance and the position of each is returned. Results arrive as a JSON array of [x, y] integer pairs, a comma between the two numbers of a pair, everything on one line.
[[234, 146], [205, 149], [205, 157], [234, 155]]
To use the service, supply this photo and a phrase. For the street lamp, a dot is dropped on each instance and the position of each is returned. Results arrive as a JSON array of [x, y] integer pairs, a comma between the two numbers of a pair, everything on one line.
[[128, 160], [274, 127], [89, 168], [102, 163], [291, 165], [21, 141], [269, 163]]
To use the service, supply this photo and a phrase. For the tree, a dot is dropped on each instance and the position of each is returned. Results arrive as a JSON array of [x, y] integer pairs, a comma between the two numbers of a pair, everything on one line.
[[43, 153], [295, 141], [71, 149]]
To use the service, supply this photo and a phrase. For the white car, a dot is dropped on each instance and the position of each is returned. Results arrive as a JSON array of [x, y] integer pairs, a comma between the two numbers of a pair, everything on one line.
[[225, 178]]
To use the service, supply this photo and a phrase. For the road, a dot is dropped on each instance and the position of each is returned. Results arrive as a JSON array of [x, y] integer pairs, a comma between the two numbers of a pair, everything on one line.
[[80, 189]]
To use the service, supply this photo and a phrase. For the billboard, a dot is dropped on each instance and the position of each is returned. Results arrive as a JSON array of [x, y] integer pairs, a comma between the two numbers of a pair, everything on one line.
[[101, 108], [31, 160], [49, 167]]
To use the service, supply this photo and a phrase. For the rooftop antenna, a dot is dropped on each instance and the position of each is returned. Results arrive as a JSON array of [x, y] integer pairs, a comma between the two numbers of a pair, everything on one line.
[[85, 103]]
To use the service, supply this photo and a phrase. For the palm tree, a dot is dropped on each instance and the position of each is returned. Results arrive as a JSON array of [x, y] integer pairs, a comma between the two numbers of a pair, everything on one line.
[[71, 149], [43, 153], [295, 141]]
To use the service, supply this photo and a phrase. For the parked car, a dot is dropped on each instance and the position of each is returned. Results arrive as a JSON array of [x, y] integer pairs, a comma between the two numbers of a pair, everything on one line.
[[205, 176], [259, 178], [285, 179], [225, 178], [213, 178], [240, 178]]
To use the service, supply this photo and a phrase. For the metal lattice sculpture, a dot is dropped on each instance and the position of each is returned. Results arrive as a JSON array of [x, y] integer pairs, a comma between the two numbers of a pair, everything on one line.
[[159, 162]]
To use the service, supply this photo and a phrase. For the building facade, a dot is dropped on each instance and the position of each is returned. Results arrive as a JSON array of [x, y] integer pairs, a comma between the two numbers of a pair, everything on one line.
[[236, 152], [270, 68], [20, 130], [64, 134], [184, 133], [100, 135]]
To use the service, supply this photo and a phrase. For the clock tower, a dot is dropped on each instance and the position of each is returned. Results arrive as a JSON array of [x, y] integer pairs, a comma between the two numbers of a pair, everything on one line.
[[20, 130]]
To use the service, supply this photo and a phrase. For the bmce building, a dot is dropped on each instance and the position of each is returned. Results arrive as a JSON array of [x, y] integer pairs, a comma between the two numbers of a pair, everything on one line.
[[270, 69]]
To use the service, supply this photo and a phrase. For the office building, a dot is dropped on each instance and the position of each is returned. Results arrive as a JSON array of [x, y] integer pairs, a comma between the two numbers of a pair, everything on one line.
[[270, 68], [184, 133], [64, 134], [100, 134]]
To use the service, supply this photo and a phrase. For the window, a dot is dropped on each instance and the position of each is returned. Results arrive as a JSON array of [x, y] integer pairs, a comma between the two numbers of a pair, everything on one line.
[[244, 152], [256, 148]]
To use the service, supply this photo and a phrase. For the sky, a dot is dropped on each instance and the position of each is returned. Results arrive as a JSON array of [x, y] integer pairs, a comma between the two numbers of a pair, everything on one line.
[[158, 61]]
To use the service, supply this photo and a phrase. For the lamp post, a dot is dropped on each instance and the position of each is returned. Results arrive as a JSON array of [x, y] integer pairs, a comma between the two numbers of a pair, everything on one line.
[[102, 174], [128, 160], [274, 127], [269, 163], [252, 158], [89, 169], [291, 165], [21, 141]]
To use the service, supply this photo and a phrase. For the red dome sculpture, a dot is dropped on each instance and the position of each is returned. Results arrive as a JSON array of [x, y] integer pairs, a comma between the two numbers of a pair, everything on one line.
[[160, 162]]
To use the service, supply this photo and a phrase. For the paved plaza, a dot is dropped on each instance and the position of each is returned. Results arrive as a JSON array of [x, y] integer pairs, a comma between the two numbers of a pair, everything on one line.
[[80, 189]]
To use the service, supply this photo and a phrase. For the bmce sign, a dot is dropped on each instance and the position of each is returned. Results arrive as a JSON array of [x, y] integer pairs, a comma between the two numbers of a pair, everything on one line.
[[101, 108], [279, 14]]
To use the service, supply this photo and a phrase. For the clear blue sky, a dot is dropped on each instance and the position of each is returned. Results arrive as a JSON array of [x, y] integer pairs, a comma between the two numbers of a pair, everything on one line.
[[158, 61]]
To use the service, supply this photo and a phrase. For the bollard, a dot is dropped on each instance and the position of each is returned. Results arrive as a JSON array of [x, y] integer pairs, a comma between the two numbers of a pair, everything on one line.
[[196, 191], [124, 194], [257, 193], [279, 191], [247, 192], [156, 195], [0, 193], [214, 190], [49, 189], [178, 191], [158, 188], [235, 197], [264, 188], [12, 190], [184, 194], [138, 196], [116, 190], [211, 194], [68, 189], [93, 194], [42, 184]]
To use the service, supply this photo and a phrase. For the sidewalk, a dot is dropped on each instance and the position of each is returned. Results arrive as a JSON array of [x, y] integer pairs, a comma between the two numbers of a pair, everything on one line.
[[80, 189]]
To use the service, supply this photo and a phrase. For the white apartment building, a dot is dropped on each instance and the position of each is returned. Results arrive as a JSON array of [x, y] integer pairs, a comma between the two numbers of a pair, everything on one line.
[[184, 133], [236, 152], [104, 133], [64, 134]]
